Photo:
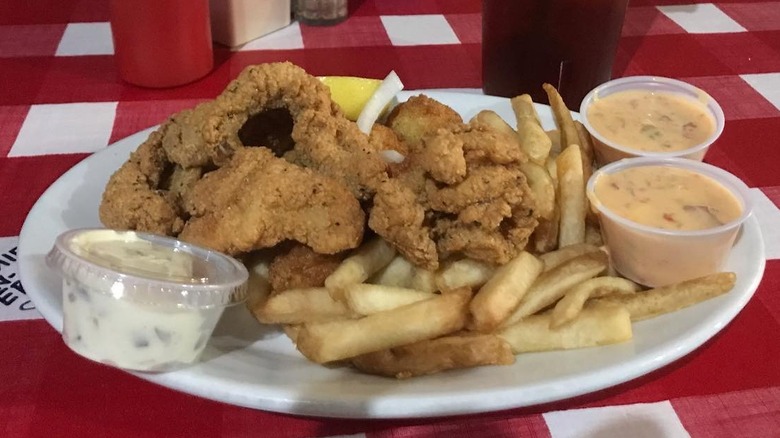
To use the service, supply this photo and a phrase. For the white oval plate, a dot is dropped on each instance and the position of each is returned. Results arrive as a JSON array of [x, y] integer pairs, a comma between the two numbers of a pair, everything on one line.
[[256, 366]]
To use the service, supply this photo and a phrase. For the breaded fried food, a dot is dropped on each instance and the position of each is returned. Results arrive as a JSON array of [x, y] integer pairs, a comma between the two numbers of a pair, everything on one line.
[[180, 182], [399, 215], [324, 139], [462, 193], [299, 267], [383, 138], [436, 355], [136, 198], [258, 200], [496, 245], [152, 190], [334, 146], [209, 133], [420, 116]]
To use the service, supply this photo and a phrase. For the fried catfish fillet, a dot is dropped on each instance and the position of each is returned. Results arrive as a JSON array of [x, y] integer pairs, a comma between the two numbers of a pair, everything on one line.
[[135, 197], [258, 200], [300, 267]]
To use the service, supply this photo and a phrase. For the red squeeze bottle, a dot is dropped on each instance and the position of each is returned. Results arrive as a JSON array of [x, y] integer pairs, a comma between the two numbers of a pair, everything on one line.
[[161, 43]]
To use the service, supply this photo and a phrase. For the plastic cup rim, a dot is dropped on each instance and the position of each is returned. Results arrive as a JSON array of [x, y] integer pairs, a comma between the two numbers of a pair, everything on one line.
[[221, 288], [711, 104], [734, 185]]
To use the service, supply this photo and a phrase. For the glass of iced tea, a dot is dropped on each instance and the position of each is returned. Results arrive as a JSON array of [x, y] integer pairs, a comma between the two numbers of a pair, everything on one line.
[[570, 44]]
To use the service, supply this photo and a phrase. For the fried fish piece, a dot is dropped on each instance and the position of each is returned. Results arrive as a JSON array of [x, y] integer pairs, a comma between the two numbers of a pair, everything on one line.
[[462, 192], [209, 133], [258, 200], [134, 198], [420, 116], [180, 183], [383, 138], [436, 355], [299, 267], [334, 146]]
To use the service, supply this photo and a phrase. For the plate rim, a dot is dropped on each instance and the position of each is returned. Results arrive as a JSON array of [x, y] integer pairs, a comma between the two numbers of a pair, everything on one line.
[[280, 401]]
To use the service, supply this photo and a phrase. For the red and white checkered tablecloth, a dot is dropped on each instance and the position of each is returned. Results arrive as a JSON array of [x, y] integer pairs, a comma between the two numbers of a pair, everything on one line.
[[61, 99]]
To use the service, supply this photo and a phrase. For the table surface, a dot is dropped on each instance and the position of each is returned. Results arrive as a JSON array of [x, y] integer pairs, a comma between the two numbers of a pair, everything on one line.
[[61, 99]]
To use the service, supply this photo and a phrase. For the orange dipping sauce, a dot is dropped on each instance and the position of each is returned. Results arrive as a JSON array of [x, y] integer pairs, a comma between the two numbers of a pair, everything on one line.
[[651, 121], [667, 197]]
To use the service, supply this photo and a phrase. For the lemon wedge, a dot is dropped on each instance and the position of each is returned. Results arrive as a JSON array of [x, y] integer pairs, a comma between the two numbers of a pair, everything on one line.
[[351, 93]]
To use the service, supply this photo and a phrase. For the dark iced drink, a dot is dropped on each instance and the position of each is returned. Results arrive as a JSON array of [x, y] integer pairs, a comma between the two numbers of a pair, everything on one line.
[[570, 44]]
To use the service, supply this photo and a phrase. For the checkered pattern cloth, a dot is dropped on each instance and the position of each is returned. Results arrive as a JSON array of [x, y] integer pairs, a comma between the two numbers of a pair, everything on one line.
[[61, 99]]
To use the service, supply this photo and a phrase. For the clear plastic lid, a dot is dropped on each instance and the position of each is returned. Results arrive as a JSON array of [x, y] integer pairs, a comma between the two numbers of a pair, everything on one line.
[[147, 268]]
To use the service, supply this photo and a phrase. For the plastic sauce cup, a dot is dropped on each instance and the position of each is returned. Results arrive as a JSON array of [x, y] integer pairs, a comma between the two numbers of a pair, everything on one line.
[[656, 257], [139, 301], [607, 151]]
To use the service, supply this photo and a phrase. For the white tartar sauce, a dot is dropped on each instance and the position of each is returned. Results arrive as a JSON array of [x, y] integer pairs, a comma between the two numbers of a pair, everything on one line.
[[125, 299], [133, 335]]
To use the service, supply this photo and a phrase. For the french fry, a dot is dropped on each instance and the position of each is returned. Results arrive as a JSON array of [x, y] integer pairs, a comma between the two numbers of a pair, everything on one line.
[[496, 300], [494, 121], [545, 236], [552, 169], [464, 272], [295, 306], [593, 234], [542, 187], [586, 151], [555, 140], [596, 325], [566, 253], [366, 299], [571, 199], [336, 340], [553, 284], [534, 141], [586, 148], [397, 273], [368, 259], [654, 302], [563, 119], [572, 303], [423, 280], [523, 106], [436, 355]]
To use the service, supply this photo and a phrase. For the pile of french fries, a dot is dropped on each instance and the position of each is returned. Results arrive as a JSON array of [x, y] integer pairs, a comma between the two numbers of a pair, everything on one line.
[[385, 316]]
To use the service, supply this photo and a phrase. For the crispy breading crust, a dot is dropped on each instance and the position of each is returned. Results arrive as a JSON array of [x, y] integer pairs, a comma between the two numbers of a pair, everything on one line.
[[149, 192], [421, 116], [208, 134], [462, 192], [325, 140], [133, 199], [258, 200], [383, 138], [300, 267], [335, 146], [436, 355]]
